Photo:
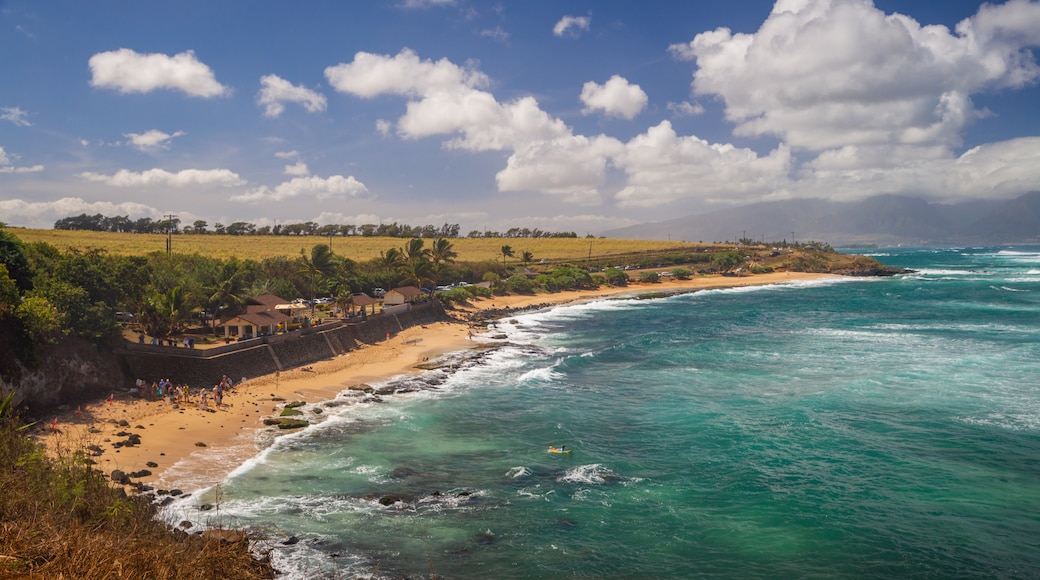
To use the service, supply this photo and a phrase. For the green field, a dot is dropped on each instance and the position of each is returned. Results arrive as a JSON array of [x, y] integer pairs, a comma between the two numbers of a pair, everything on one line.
[[354, 247]]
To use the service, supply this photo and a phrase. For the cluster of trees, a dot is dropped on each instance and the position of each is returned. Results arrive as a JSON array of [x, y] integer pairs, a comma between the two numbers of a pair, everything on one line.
[[47, 293], [123, 224]]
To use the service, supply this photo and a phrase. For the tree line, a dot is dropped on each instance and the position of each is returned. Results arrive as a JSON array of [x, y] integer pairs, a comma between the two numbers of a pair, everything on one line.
[[146, 225], [47, 293]]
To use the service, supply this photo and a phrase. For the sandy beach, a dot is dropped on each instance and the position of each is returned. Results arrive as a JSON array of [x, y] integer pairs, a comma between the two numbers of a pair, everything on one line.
[[189, 448]]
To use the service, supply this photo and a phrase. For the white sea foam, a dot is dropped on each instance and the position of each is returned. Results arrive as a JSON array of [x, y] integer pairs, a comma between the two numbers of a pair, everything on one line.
[[518, 472], [543, 374], [593, 473]]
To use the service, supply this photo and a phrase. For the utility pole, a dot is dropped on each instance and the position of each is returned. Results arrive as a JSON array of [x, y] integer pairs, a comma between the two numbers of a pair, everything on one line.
[[169, 233]]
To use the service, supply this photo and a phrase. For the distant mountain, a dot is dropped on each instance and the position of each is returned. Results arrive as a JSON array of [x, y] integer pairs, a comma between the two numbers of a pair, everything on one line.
[[880, 220]]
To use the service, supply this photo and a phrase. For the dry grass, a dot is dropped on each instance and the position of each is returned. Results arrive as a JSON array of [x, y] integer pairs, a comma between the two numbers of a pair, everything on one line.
[[59, 518], [355, 247]]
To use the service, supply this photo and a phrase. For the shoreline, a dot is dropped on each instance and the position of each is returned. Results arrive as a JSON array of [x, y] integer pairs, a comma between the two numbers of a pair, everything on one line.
[[190, 449]]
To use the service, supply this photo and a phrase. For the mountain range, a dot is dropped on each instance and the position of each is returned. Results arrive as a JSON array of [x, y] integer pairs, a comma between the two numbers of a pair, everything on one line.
[[883, 220]]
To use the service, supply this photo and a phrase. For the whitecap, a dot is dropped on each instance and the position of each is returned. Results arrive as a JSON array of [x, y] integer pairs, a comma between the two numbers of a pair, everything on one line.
[[593, 473], [518, 472]]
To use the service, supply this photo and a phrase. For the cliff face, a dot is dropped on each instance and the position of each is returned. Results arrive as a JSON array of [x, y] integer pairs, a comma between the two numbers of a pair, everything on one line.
[[70, 371], [75, 370]]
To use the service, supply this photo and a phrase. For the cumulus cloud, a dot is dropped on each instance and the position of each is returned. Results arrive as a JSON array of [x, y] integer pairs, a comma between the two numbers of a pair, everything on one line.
[[573, 167], [1004, 169], [15, 115], [43, 214], [152, 139], [663, 167], [128, 71], [335, 186], [824, 74], [160, 177], [276, 91], [616, 98], [404, 74], [445, 99], [571, 25], [298, 168]]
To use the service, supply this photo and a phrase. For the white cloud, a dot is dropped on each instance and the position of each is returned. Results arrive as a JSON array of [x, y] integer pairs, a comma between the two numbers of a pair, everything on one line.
[[161, 177], [7, 167], [497, 34], [824, 74], [152, 139], [686, 109], [131, 72], [299, 169], [27, 169], [370, 75], [663, 167], [571, 24], [485, 124], [276, 91], [1001, 170], [384, 127], [422, 4], [43, 214], [616, 98], [287, 154], [15, 115], [313, 186], [573, 167]]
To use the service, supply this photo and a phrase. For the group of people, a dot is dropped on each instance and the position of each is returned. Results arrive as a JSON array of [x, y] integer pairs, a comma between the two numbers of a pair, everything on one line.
[[166, 390], [188, 342]]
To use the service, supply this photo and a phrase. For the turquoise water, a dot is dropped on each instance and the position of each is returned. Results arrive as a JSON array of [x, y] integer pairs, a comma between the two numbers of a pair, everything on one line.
[[851, 428]]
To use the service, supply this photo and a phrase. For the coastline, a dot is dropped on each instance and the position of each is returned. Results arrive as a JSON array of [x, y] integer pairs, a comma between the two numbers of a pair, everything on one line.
[[170, 438]]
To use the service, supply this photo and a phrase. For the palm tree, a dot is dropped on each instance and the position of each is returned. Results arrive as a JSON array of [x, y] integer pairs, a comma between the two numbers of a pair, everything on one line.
[[390, 260], [320, 263], [443, 251], [414, 251], [230, 289], [526, 258], [507, 252], [164, 311], [420, 270]]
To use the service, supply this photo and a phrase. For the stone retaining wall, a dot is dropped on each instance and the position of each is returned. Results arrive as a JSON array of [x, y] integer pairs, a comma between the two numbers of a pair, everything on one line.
[[265, 355]]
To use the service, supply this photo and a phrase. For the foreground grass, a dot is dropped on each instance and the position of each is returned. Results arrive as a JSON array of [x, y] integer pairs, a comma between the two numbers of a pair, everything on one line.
[[357, 248], [59, 518]]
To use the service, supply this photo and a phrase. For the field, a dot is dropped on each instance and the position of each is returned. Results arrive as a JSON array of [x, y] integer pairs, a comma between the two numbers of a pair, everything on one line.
[[354, 247]]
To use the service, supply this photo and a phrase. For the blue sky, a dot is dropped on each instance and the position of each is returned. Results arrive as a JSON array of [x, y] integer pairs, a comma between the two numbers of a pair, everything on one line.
[[566, 116]]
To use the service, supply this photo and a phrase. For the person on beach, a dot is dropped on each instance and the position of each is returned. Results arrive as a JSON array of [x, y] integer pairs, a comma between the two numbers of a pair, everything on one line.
[[202, 403]]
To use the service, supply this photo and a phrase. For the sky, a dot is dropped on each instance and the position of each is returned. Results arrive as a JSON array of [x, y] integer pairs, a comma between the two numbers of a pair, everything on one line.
[[554, 114]]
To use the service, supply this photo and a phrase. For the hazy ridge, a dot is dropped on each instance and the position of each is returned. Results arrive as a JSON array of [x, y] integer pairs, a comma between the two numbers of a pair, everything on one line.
[[881, 220]]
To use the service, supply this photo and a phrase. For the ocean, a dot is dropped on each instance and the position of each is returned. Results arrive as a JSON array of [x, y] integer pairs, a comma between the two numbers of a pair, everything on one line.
[[842, 428]]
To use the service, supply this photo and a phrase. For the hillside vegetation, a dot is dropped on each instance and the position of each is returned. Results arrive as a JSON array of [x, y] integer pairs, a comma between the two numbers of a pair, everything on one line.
[[59, 518]]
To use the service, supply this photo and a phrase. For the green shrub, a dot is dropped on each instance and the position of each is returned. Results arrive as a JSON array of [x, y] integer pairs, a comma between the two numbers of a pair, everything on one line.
[[519, 284], [651, 277]]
